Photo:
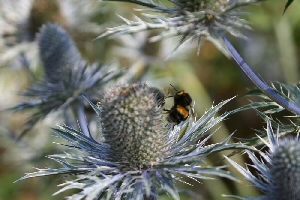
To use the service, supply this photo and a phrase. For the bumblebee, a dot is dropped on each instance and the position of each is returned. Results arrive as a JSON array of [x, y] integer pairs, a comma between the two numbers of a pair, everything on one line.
[[179, 111], [177, 114]]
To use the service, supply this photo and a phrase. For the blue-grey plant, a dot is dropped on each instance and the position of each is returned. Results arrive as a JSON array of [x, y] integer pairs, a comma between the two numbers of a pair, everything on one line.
[[277, 171], [67, 77], [288, 92], [138, 156], [191, 20], [268, 107], [21, 19]]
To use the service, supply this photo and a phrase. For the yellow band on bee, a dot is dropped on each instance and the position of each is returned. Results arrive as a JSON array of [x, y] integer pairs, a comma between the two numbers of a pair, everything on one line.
[[183, 111]]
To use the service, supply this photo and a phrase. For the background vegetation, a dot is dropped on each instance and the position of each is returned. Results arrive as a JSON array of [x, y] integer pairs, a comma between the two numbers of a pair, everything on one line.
[[272, 51]]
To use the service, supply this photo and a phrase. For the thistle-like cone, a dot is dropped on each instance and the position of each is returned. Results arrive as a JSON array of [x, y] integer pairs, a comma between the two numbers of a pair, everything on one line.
[[277, 172], [133, 124], [203, 5], [57, 52], [285, 170]]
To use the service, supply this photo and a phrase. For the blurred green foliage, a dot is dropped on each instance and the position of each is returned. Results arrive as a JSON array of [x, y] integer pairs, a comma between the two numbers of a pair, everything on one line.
[[271, 50]]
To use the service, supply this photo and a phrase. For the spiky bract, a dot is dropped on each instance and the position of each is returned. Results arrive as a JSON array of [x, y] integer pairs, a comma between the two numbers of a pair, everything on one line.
[[278, 174], [288, 92], [267, 107]]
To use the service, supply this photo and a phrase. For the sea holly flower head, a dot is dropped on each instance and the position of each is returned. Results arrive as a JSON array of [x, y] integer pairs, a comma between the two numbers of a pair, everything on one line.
[[138, 156], [67, 76], [278, 169], [133, 123], [197, 19]]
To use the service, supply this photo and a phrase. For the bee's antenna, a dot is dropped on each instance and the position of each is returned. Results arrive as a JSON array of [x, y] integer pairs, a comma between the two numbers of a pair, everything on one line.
[[173, 87]]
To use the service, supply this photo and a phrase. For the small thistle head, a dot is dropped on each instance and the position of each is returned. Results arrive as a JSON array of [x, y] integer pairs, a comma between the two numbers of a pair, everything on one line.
[[278, 173], [284, 169], [209, 20], [67, 76], [57, 52], [191, 20], [133, 124]]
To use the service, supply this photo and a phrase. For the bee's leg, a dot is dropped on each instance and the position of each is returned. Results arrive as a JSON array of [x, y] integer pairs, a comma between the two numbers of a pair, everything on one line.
[[167, 96]]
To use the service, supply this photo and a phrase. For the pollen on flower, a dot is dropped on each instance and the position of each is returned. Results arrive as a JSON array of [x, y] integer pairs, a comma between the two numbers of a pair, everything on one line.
[[133, 124]]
